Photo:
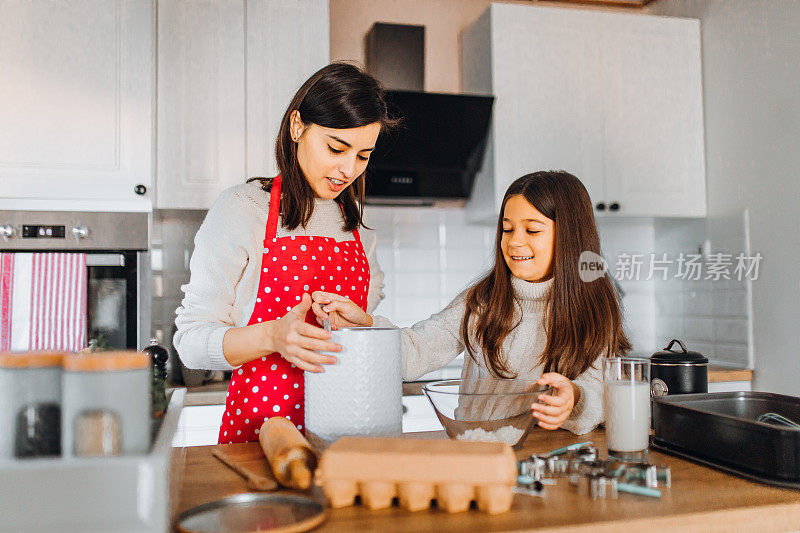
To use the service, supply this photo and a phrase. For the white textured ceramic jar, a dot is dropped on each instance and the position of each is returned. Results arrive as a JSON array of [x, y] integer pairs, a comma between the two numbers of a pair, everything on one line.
[[361, 394]]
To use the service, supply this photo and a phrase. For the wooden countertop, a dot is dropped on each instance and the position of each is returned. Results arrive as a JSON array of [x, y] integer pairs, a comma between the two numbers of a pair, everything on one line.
[[214, 393], [718, 374], [700, 500]]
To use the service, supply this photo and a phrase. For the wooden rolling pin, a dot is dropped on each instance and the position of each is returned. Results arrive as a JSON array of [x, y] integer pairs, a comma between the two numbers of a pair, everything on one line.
[[288, 453]]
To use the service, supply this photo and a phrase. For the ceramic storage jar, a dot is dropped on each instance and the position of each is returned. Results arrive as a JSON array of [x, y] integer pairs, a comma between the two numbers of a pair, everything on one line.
[[30, 400], [106, 404]]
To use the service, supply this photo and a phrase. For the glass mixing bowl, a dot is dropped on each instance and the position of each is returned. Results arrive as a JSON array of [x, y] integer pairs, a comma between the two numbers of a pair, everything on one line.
[[486, 409]]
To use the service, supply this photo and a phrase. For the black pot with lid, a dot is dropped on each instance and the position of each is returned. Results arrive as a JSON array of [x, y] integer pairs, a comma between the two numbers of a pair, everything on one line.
[[678, 371]]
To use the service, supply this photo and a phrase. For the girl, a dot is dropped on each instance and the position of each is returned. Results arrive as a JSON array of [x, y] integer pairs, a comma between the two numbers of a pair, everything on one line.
[[266, 244], [531, 317]]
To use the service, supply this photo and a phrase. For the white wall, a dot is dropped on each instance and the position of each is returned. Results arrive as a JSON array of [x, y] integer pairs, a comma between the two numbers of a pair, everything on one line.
[[751, 78]]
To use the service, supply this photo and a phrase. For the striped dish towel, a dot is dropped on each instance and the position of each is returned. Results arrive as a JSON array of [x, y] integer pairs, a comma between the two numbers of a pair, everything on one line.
[[43, 301]]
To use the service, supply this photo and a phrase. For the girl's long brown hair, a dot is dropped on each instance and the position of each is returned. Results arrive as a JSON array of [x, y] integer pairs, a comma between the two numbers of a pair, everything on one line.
[[341, 96], [583, 320]]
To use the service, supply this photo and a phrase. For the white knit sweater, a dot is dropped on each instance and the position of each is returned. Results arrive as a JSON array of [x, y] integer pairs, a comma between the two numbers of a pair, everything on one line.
[[226, 264], [432, 343]]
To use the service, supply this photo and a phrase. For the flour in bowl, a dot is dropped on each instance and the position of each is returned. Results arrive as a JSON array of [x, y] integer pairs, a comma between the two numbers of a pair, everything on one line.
[[508, 434]]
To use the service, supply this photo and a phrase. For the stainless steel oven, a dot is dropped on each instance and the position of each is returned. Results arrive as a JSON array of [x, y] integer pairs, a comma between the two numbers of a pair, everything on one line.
[[118, 278]]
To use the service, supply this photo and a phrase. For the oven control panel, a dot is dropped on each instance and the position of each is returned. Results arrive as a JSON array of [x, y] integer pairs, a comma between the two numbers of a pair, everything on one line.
[[43, 232], [73, 231]]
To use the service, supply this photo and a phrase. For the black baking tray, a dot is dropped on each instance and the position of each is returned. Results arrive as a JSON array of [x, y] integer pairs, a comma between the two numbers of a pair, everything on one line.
[[720, 430]]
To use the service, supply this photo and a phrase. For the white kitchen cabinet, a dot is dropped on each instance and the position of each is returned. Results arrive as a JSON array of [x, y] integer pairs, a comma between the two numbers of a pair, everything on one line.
[[76, 86], [227, 70], [201, 100], [615, 99], [654, 151]]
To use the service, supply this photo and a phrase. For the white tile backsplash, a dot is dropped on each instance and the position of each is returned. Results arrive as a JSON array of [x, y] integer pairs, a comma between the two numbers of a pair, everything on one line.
[[698, 329], [416, 259], [459, 235], [728, 353], [669, 303], [411, 309], [730, 303], [731, 330], [669, 328], [714, 312], [385, 255], [700, 303], [472, 260], [428, 255], [411, 235], [455, 282], [418, 285]]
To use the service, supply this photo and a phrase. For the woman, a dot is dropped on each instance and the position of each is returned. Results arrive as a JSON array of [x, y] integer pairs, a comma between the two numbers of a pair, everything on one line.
[[531, 316], [267, 244]]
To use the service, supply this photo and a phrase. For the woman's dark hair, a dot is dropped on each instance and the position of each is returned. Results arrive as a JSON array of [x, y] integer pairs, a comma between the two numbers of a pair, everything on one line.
[[583, 320], [339, 96]]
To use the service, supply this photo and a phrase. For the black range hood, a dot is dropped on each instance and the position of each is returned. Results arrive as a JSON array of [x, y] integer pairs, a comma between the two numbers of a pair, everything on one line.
[[434, 153]]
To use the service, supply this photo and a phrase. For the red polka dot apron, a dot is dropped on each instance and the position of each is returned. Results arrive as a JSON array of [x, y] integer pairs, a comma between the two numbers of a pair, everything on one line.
[[290, 266]]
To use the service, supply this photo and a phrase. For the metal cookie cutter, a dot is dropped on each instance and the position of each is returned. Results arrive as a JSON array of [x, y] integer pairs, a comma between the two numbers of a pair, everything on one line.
[[607, 478], [602, 477], [539, 470], [601, 486], [648, 475], [529, 476], [562, 461], [557, 462]]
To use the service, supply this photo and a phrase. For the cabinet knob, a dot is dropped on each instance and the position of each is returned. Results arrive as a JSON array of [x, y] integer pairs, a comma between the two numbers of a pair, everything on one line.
[[614, 206], [80, 232], [600, 206], [7, 231], [140, 189]]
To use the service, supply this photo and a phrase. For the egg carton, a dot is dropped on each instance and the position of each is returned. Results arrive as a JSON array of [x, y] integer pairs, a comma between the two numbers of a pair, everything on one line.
[[417, 471]]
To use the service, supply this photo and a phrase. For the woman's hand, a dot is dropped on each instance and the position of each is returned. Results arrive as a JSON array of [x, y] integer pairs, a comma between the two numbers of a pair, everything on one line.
[[298, 342], [557, 406], [341, 312]]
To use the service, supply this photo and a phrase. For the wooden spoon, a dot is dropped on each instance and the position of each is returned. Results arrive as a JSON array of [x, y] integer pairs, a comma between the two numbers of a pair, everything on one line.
[[254, 481]]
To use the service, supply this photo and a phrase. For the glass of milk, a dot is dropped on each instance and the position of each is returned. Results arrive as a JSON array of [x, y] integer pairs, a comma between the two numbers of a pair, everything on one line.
[[626, 398]]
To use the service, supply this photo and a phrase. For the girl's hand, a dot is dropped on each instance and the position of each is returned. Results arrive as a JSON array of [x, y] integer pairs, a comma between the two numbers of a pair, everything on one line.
[[341, 312], [559, 405], [298, 342]]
